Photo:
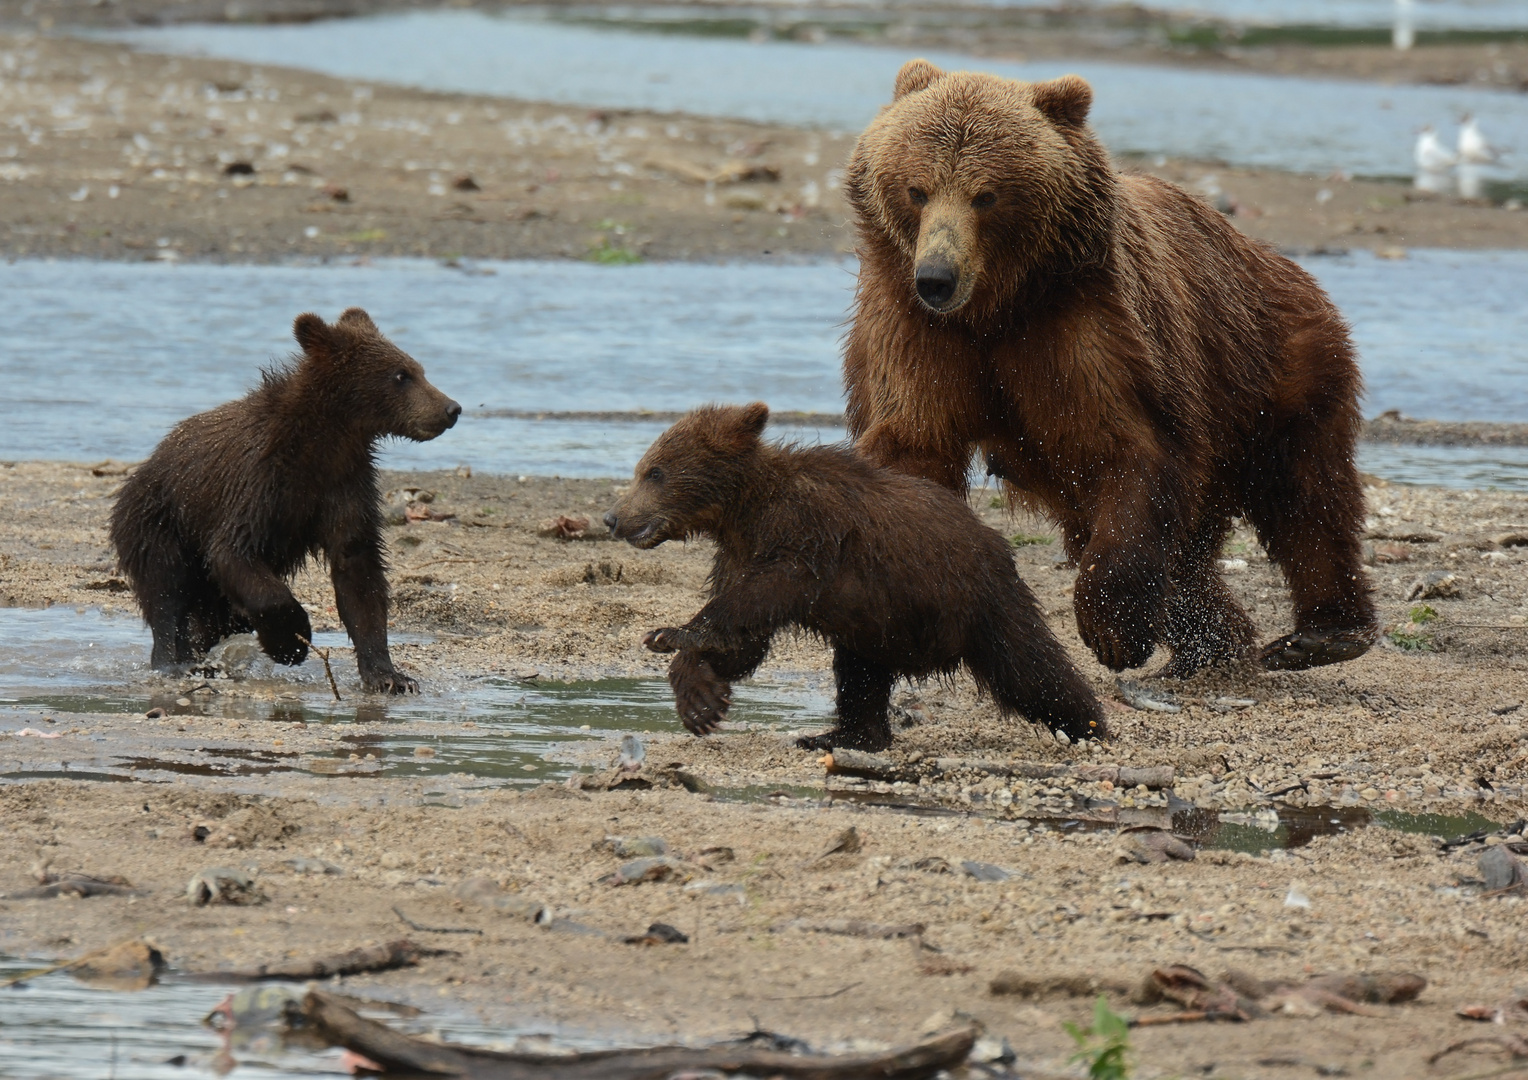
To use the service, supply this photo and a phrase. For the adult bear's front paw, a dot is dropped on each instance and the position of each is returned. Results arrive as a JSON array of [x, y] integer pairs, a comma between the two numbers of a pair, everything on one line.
[[284, 633], [1314, 648], [1117, 617], [701, 696]]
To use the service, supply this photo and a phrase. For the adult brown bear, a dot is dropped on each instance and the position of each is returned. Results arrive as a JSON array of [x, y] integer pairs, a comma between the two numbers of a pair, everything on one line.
[[236, 499], [1128, 362], [897, 574]]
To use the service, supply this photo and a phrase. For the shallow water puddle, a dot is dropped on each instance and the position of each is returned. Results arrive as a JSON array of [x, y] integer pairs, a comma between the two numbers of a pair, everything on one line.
[[1308, 125], [58, 1027], [95, 374], [74, 664], [78, 665]]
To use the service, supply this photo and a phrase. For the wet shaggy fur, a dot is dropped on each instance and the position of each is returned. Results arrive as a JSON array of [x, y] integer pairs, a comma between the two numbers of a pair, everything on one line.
[[895, 573], [1127, 361], [235, 500]]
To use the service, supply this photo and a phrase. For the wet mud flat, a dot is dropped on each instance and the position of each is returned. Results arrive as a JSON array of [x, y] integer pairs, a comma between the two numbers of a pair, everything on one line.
[[846, 948], [1334, 784], [125, 155]]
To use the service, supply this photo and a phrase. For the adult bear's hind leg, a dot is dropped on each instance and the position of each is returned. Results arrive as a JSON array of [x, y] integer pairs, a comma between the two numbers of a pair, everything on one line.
[[1307, 504], [864, 696], [1205, 624]]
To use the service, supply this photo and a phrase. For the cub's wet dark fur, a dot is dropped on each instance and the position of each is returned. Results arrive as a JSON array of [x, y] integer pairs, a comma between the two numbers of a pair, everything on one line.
[[235, 500], [895, 573]]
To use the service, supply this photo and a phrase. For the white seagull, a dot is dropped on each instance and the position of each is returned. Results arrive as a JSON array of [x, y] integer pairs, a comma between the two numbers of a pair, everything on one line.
[[1433, 162], [1474, 153], [1473, 147]]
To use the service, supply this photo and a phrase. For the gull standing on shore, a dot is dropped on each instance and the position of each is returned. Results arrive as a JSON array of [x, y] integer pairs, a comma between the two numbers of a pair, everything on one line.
[[1433, 162], [1474, 154]]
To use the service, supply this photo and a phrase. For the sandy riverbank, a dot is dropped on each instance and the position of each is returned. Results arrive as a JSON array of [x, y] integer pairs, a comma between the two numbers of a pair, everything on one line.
[[1429, 731], [115, 154]]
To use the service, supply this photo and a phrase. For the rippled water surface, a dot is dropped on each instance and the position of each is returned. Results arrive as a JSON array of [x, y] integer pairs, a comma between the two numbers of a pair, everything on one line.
[[499, 730], [101, 359], [1304, 124]]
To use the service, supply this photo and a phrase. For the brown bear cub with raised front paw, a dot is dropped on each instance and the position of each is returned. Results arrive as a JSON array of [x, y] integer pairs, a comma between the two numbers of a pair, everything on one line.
[[895, 573], [235, 500]]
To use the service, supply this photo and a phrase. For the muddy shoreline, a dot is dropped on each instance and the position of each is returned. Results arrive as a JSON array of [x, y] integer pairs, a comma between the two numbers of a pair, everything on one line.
[[1435, 730], [132, 156]]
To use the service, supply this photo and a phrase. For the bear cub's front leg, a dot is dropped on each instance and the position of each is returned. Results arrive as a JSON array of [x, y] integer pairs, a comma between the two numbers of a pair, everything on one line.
[[284, 631]]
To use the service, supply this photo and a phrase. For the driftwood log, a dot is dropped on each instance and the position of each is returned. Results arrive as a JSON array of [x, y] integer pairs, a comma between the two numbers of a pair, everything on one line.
[[393, 1050], [387, 957]]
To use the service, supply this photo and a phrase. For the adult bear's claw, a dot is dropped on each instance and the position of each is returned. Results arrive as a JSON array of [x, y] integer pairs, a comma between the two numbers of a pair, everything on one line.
[[1314, 648]]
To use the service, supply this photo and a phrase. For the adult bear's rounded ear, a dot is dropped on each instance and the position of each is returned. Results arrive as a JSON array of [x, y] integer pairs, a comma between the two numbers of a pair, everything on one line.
[[915, 75], [313, 335], [751, 420], [357, 318], [1065, 100]]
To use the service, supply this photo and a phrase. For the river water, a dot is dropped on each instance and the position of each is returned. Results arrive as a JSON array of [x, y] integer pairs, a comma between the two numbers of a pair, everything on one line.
[[100, 359], [1311, 125]]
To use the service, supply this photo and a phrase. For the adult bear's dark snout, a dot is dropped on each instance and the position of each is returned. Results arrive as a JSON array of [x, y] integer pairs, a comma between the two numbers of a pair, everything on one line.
[[936, 281]]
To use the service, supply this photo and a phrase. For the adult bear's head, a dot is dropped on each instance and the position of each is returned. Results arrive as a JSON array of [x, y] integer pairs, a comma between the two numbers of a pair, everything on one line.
[[974, 185]]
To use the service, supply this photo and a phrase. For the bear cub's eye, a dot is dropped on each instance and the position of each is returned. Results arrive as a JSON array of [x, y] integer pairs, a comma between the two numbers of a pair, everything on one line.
[[984, 200], [401, 378], [917, 195], [655, 474]]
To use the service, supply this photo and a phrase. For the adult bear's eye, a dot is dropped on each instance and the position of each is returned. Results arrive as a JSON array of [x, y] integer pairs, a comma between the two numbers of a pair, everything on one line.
[[917, 195], [401, 378], [984, 200], [655, 474]]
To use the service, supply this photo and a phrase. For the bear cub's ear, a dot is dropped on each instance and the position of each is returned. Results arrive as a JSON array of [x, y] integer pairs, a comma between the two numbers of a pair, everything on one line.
[[751, 420], [914, 76], [313, 335], [1065, 101], [358, 319]]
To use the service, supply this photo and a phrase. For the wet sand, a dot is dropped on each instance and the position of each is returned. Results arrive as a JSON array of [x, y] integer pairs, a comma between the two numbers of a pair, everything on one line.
[[114, 154], [1433, 731]]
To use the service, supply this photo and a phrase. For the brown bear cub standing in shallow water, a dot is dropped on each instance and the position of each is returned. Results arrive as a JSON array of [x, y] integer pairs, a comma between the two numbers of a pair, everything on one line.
[[1127, 360], [235, 500], [895, 573]]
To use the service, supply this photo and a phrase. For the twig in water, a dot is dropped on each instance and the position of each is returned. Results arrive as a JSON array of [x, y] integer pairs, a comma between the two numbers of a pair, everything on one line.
[[65, 966], [412, 925], [323, 654]]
